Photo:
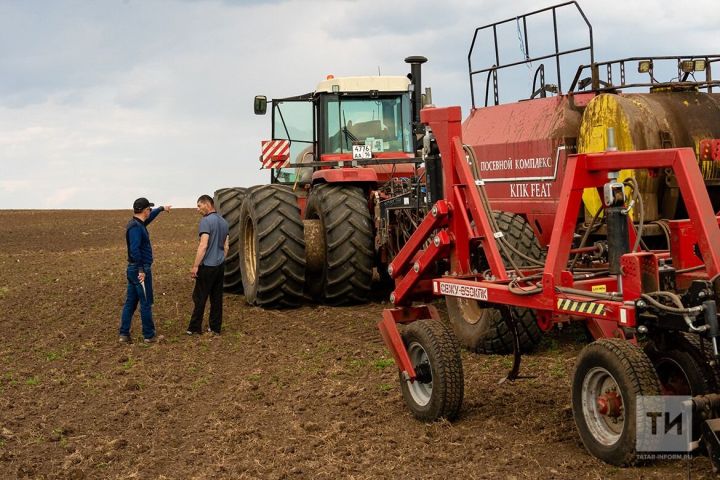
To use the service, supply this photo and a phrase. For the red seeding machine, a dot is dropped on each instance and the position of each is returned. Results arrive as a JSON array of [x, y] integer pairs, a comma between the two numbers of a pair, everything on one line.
[[596, 205]]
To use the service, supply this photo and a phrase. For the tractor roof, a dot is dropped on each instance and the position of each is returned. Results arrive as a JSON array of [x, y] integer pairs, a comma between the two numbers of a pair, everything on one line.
[[364, 84]]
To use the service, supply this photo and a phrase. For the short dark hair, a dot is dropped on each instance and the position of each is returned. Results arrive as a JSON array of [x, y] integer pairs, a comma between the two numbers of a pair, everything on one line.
[[206, 199]]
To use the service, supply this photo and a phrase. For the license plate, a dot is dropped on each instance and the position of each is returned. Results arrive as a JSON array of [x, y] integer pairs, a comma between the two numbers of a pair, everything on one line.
[[465, 291], [362, 152]]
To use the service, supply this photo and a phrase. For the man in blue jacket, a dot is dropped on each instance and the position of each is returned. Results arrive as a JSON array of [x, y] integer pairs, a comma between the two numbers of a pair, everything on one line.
[[139, 270]]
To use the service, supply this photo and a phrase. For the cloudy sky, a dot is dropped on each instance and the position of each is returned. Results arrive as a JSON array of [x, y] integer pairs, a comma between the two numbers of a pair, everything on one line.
[[105, 101]]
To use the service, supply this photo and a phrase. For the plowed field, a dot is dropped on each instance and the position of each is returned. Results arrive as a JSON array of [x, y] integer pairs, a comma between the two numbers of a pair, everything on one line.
[[303, 393]]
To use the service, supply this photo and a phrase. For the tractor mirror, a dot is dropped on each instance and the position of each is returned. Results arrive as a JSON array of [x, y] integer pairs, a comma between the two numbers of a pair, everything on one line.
[[260, 105]]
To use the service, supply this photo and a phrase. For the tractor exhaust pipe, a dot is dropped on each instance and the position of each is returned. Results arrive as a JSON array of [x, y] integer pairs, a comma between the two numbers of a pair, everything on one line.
[[416, 79]]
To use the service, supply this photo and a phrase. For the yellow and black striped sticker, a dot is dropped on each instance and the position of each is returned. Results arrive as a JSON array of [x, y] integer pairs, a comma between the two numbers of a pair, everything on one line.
[[581, 307]]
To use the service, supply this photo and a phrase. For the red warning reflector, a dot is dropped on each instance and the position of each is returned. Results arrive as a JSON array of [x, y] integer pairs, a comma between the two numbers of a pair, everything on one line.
[[275, 153]]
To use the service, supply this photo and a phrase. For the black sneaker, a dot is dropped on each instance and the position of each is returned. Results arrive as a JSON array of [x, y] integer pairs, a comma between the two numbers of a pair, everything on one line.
[[125, 339], [213, 332], [191, 333]]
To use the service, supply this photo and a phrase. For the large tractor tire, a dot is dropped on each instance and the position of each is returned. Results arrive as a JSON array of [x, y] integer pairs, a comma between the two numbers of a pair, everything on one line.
[[483, 330], [345, 275], [611, 375], [272, 247], [228, 202], [437, 391]]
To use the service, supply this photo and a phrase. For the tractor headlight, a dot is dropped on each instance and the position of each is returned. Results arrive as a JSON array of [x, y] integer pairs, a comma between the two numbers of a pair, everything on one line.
[[644, 66], [689, 66]]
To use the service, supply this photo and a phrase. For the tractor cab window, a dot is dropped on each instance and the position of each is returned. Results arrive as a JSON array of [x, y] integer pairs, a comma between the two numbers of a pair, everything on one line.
[[384, 123], [293, 120]]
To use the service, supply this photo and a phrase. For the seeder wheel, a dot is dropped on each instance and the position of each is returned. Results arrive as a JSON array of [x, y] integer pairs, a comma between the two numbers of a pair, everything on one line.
[[483, 330], [679, 370], [438, 389], [683, 368], [609, 375]]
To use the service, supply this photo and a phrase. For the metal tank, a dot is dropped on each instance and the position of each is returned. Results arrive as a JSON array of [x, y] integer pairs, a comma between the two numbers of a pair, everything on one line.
[[656, 120]]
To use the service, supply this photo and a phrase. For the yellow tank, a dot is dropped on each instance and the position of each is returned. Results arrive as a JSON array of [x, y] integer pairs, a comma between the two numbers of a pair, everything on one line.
[[643, 121]]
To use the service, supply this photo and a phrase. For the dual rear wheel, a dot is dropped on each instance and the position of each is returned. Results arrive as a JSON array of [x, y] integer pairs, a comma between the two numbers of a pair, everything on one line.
[[279, 268], [272, 247]]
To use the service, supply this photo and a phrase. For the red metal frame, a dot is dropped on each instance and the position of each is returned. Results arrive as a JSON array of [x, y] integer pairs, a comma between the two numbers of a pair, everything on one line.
[[375, 174], [466, 223], [346, 175]]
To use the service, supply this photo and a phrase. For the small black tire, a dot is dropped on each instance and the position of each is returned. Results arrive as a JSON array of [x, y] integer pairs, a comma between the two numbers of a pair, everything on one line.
[[346, 277], [605, 366], [483, 330], [435, 355], [228, 202], [679, 371], [701, 350], [683, 368], [272, 247]]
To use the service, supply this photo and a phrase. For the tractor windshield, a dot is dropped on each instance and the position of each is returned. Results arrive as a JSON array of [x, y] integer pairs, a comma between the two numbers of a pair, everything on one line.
[[384, 123]]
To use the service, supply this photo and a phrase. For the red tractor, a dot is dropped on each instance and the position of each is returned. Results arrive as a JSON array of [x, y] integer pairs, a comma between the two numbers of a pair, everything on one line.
[[344, 192], [596, 204]]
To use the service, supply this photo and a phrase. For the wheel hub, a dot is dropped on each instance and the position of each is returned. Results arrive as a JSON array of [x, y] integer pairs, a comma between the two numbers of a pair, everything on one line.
[[423, 374], [610, 404], [249, 253], [603, 406], [421, 387], [471, 310]]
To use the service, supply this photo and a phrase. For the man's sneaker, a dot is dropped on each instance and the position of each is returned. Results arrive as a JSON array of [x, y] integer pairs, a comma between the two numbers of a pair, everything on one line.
[[190, 332], [125, 339], [154, 339], [212, 332]]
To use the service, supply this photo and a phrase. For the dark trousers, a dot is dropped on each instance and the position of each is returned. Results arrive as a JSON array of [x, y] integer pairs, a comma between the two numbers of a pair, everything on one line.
[[209, 283], [141, 293]]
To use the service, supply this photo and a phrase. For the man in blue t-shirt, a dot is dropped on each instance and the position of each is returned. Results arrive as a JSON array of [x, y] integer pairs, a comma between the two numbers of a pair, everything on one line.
[[209, 267], [139, 270]]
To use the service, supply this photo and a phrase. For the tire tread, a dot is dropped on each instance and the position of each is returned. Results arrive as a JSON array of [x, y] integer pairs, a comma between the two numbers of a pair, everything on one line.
[[280, 267], [438, 341], [349, 254]]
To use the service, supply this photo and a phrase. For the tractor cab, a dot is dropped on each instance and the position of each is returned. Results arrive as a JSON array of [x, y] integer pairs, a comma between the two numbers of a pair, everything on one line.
[[345, 118], [370, 111]]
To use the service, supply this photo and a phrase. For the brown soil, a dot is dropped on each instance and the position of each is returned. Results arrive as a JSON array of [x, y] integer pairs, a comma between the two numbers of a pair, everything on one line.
[[305, 393]]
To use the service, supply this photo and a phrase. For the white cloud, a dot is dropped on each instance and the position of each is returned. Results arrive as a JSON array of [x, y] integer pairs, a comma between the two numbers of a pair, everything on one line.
[[12, 186], [114, 100], [62, 196]]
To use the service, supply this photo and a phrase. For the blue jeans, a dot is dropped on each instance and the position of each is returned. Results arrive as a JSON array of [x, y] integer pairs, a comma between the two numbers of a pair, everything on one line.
[[138, 293]]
